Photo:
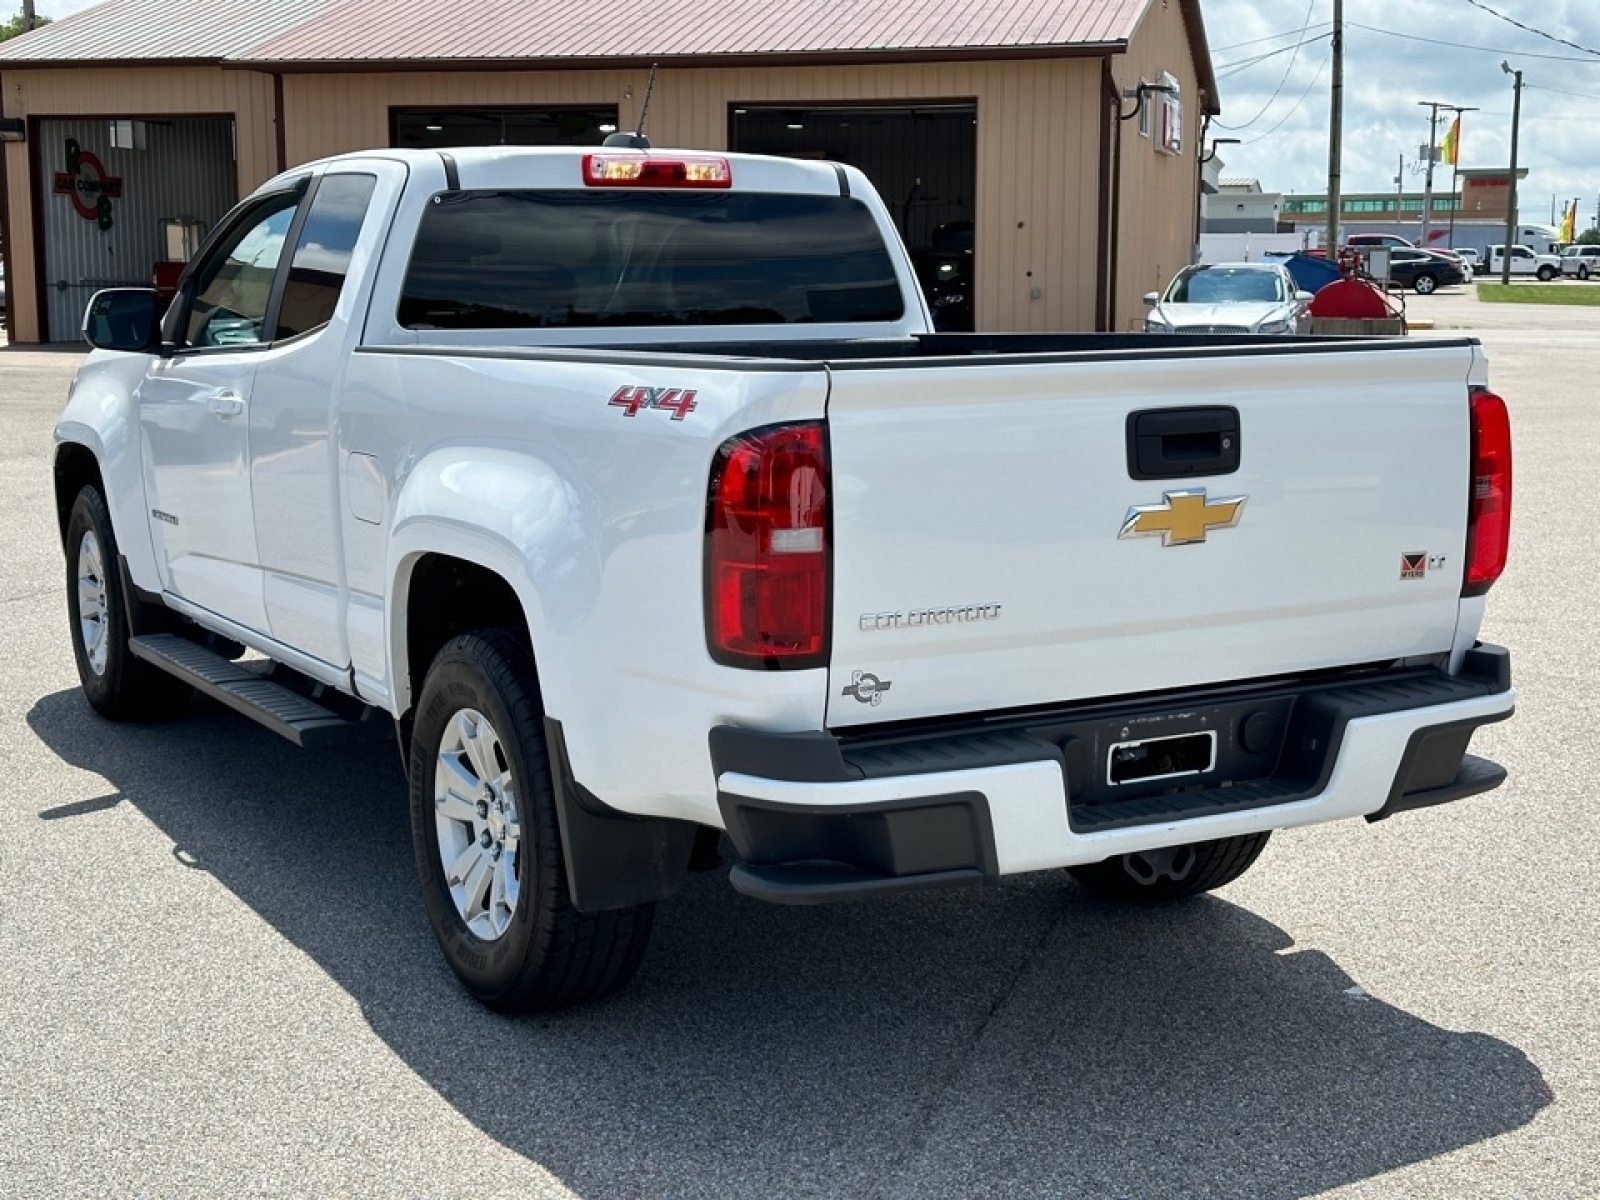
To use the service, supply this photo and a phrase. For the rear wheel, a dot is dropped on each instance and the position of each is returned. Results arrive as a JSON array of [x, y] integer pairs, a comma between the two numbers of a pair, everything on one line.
[[1583, 270], [488, 846], [1151, 876], [1546, 273], [117, 684], [1425, 284]]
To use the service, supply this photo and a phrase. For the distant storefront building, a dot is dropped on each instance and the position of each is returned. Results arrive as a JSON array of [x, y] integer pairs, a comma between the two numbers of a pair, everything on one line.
[[1046, 148], [1474, 216]]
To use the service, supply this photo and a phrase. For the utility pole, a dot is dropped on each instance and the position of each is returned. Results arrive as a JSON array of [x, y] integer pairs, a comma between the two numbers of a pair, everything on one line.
[[1433, 107], [1335, 130], [1455, 189], [1399, 185], [1511, 199], [28, 19]]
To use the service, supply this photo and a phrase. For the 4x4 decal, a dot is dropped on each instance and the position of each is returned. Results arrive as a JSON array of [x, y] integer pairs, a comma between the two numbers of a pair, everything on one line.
[[673, 400]]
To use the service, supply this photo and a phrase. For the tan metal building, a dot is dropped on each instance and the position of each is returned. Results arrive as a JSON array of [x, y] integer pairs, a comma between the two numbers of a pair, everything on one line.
[[1046, 147]]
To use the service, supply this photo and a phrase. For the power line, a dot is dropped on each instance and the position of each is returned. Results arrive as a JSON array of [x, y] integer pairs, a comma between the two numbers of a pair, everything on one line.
[[1304, 25], [1549, 37], [1263, 137], [1534, 87], [1499, 50], [1271, 37], [1226, 69]]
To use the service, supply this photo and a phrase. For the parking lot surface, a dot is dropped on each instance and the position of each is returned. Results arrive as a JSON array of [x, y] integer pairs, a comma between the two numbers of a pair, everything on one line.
[[216, 978]]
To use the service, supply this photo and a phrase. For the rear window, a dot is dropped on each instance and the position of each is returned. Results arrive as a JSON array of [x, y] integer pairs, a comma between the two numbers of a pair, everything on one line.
[[554, 259]]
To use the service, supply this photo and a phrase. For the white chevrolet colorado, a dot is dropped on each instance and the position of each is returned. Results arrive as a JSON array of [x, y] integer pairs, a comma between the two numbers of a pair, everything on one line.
[[633, 488]]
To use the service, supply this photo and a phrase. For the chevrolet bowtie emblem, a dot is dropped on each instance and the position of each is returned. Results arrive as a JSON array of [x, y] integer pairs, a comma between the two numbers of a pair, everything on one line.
[[1182, 517]]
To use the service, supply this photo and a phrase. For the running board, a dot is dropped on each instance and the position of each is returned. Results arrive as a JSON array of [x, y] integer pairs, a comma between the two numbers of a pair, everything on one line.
[[284, 711]]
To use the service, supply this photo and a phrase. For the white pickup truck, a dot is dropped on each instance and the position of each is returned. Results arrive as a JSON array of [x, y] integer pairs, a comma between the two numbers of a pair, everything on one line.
[[633, 489], [1525, 261]]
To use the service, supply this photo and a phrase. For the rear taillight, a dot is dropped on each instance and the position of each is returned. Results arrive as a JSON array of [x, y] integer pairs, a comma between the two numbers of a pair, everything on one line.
[[1489, 498], [767, 549]]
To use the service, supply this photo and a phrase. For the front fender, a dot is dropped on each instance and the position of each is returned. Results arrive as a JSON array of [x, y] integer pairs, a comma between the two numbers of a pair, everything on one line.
[[102, 416]]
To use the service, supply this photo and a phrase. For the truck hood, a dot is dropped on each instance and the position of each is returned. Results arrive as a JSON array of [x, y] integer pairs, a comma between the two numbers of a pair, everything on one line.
[[1244, 317]]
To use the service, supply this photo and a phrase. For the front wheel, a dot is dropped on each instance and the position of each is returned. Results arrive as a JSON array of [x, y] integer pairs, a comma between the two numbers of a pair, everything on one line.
[[1583, 270], [116, 684], [1151, 876], [487, 842], [1425, 284], [1546, 273]]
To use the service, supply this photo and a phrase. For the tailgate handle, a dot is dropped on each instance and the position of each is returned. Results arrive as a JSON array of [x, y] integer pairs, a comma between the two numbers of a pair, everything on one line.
[[1176, 443]]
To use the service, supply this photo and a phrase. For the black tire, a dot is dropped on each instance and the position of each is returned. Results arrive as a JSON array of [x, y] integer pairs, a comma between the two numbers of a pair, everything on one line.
[[548, 954], [1546, 273], [1170, 874], [1583, 271], [1425, 284], [116, 684]]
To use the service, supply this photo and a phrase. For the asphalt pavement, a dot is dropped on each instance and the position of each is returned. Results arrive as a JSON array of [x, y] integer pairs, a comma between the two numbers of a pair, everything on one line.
[[216, 978]]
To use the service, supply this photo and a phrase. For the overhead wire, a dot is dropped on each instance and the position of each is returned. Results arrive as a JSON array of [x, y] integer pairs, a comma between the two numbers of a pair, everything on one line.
[[1224, 70], [1550, 37], [1297, 104], [1271, 37], [1501, 50], [1277, 91]]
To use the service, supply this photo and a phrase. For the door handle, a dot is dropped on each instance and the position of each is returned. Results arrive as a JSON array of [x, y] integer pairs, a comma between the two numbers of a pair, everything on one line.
[[225, 403]]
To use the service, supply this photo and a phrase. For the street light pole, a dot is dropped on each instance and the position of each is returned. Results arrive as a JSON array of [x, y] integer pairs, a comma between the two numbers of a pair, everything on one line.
[[1511, 205]]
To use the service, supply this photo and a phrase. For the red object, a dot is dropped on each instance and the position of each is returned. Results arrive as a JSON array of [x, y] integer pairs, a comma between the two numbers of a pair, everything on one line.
[[644, 171], [1489, 498], [1351, 300], [767, 560], [164, 278]]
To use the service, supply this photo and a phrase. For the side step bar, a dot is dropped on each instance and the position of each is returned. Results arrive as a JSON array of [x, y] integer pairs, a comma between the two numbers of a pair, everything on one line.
[[284, 711]]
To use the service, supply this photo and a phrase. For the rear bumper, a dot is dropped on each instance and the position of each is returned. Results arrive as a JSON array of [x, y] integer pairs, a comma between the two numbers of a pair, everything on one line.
[[815, 817]]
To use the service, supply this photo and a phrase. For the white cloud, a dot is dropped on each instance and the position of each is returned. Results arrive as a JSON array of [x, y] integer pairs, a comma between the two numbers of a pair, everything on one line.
[[1386, 75]]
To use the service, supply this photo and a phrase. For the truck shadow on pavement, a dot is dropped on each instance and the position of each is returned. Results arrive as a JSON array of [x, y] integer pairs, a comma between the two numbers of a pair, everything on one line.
[[1009, 1041]]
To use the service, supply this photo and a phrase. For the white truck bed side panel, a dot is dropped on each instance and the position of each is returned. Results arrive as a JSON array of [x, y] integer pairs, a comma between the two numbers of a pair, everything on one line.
[[597, 519]]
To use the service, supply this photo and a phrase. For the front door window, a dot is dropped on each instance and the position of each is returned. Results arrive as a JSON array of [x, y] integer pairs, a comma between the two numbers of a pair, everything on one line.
[[234, 286]]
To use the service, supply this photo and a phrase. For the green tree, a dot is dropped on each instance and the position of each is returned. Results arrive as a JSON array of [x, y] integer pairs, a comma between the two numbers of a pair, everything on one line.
[[11, 28], [1589, 237]]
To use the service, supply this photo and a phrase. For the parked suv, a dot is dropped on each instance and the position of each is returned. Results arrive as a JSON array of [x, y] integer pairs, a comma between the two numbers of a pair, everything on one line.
[[1582, 261]]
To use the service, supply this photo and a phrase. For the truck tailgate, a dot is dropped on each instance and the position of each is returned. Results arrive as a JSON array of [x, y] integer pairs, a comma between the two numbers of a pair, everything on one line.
[[982, 555]]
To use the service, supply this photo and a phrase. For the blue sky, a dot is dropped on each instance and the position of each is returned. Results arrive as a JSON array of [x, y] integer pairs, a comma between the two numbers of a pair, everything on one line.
[[1278, 106]]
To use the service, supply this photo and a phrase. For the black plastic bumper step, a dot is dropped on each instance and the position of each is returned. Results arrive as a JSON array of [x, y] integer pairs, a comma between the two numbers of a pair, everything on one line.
[[284, 711]]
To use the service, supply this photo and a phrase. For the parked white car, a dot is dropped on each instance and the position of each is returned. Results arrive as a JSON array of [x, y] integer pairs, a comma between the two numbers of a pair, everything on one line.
[[1243, 297], [1524, 261], [1581, 262]]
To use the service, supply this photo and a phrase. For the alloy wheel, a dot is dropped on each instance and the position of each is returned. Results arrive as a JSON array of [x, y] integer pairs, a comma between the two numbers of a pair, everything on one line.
[[478, 823], [93, 608]]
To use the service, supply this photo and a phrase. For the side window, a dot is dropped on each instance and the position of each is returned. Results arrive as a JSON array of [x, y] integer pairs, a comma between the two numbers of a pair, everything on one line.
[[233, 286], [322, 255]]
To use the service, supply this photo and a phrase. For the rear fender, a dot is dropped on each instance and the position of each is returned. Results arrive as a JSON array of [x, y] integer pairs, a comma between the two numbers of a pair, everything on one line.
[[509, 513]]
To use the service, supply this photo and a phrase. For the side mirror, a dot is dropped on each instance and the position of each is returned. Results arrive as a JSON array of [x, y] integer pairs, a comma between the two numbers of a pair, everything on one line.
[[126, 319], [1303, 297], [1152, 299]]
